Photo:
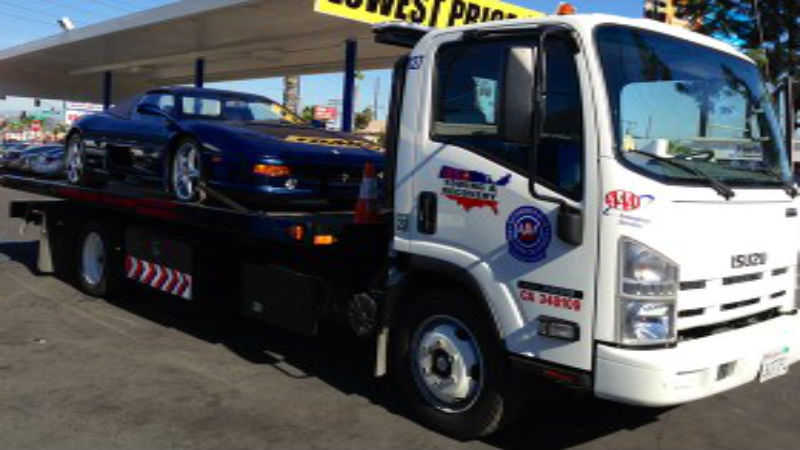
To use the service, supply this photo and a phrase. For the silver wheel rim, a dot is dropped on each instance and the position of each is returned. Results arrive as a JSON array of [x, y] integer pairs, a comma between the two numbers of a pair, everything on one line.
[[93, 259], [74, 160], [447, 364], [186, 172]]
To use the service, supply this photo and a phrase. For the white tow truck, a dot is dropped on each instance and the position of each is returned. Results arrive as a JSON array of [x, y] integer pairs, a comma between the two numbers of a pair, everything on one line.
[[600, 202]]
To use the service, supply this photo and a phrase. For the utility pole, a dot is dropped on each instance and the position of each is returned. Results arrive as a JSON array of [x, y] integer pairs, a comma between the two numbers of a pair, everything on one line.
[[377, 95]]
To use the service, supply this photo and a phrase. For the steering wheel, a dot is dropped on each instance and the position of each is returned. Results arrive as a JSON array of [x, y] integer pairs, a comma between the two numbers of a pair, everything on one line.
[[702, 155]]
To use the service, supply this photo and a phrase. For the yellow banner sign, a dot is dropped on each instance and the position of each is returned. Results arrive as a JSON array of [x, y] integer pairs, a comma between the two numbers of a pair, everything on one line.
[[432, 13], [332, 142]]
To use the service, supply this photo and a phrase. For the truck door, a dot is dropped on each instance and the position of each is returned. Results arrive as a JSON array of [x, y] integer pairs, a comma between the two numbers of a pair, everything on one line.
[[475, 208]]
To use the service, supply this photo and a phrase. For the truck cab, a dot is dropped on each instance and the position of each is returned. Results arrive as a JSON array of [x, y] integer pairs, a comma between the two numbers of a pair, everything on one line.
[[613, 194]]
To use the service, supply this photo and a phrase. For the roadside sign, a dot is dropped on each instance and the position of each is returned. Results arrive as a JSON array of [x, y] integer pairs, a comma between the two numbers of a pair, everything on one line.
[[432, 13], [326, 113], [70, 116], [83, 106]]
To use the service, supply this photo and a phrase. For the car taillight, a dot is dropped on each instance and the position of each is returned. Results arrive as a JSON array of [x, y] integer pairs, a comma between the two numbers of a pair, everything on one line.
[[271, 170]]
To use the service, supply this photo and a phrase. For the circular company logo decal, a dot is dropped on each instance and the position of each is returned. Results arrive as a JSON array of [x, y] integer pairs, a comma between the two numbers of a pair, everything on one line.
[[528, 233]]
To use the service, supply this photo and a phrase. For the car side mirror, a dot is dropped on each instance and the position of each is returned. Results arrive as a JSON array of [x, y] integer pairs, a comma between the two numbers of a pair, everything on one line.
[[517, 101], [149, 109]]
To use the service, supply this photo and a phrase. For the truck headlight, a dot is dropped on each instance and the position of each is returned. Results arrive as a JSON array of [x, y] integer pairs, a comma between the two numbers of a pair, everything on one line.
[[647, 291]]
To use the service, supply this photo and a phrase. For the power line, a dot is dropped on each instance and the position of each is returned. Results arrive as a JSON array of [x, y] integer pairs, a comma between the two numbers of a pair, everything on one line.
[[73, 7], [29, 19], [29, 9], [115, 6]]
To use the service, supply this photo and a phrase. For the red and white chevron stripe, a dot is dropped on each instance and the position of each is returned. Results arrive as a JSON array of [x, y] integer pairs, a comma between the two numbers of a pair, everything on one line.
[[159, 277]]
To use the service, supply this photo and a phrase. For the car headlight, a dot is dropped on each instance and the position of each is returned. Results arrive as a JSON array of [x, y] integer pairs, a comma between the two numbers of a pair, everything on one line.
[[647, 292]]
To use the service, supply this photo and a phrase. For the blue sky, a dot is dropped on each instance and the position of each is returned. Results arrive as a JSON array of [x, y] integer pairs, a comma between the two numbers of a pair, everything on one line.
[[26, 20]]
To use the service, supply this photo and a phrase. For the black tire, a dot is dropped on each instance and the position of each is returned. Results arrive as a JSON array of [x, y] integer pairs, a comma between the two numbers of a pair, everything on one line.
[[75, 165], [97, 274], [496, 401], [195, 193]]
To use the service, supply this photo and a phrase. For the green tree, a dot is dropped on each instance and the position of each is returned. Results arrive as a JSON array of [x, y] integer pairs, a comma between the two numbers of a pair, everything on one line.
[[308, 113], [767, 30], [363, 118]]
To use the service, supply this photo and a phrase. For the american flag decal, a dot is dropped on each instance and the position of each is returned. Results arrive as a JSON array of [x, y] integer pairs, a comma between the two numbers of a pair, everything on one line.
[[159, 277]]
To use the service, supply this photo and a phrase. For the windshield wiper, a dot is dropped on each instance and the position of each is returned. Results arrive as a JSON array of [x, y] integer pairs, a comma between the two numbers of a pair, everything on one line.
[[789, 188], [718, 186]]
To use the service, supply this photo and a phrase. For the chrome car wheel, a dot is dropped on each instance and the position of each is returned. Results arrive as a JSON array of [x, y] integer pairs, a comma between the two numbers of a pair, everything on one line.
[[75, 160], [447, 364], [186, 172]]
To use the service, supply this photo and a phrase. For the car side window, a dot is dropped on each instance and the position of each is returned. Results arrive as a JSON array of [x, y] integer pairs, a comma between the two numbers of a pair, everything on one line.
[[467, 89], [201, 107]]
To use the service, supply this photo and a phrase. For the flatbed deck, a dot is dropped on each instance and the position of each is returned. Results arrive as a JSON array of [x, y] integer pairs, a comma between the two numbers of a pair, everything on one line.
[[272, 225]]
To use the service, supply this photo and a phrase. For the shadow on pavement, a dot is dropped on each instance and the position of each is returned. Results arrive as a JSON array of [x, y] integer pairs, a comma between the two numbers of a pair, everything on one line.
[[23, 252], [554, 418]]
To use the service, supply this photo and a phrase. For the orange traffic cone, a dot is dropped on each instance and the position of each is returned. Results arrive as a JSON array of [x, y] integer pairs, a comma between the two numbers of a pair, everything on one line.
[[367, 205]]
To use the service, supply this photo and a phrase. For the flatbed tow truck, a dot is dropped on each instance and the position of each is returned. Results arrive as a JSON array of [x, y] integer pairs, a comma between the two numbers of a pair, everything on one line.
[[545, 217]]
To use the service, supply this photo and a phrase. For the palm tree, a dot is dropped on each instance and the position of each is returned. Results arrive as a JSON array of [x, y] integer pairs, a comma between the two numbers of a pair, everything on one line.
[[291, 93]]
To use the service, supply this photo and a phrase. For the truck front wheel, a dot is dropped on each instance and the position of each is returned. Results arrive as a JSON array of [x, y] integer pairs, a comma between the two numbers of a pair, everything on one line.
[[451, 367]]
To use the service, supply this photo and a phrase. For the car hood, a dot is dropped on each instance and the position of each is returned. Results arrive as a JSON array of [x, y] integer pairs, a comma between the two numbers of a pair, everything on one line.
[[303, 144]]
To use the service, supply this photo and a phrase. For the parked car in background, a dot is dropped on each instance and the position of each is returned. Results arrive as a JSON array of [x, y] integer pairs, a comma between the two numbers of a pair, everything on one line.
[[11, 153], [247, 146], [23, 159], [45, 160]]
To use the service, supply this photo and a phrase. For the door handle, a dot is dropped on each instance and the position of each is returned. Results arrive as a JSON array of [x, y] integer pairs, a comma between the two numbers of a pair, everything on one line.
[[427, 212]]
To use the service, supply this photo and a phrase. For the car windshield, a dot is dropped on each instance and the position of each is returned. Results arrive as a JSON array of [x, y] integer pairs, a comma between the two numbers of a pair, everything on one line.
[[697, 106], [238, 109]]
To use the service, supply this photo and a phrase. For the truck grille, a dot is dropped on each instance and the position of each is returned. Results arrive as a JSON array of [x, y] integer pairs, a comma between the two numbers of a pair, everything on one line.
[[735, 324], [714, 305]]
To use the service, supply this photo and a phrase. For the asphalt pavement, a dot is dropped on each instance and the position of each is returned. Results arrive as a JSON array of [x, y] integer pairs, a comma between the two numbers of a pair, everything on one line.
[[146, 371]]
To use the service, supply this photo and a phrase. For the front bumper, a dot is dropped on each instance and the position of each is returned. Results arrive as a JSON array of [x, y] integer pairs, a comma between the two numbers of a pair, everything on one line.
[[269, 192], [691, 370]]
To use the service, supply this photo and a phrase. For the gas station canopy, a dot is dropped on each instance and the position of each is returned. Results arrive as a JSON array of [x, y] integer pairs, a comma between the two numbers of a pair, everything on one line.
[[237, 39]]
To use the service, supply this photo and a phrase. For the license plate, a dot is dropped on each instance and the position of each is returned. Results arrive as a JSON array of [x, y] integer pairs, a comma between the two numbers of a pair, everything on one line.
[[774, 365]]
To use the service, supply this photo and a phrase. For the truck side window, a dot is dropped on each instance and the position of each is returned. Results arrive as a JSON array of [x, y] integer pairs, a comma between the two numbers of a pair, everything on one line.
[[467, 93], [466, 100], [559, 160]]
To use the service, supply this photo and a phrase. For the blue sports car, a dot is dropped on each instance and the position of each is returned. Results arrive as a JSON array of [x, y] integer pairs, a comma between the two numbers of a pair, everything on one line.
[[248, 147]]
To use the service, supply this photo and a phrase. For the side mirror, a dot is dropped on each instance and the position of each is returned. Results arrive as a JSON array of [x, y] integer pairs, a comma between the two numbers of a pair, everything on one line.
[[517, 101], [149, 109], [570, 225]]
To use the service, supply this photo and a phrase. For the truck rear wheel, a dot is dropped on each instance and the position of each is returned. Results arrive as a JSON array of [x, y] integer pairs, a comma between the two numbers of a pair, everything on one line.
[[96, 257], [451, 367]]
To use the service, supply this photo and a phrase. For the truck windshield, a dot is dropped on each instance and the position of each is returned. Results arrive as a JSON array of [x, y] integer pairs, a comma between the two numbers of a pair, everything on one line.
[[702, 107]]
